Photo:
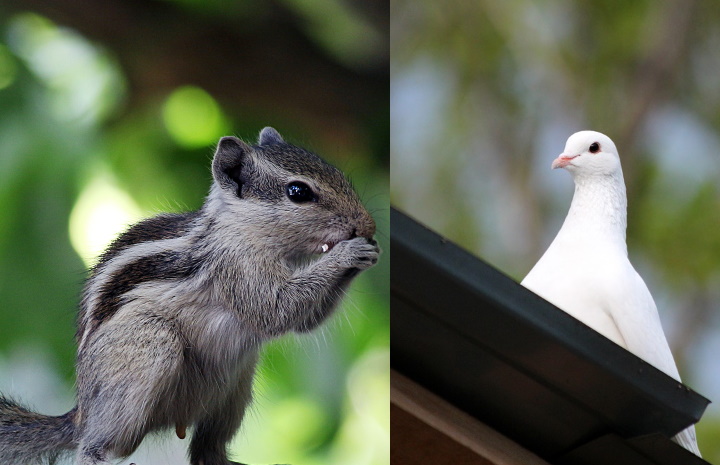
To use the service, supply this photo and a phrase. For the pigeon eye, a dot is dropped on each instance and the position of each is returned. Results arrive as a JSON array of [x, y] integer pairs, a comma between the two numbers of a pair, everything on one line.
[[299, 192], [594, 147]]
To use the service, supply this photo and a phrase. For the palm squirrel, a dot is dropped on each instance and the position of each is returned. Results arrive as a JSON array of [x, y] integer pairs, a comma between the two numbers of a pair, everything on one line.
[[174, 313]]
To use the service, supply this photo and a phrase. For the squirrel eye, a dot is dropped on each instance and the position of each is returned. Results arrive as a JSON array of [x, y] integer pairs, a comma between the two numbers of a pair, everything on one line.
[[299, 192], [594, 147]]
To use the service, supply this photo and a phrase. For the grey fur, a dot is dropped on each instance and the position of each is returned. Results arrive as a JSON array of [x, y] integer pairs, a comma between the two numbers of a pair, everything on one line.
[[173, 316], [269, 136]]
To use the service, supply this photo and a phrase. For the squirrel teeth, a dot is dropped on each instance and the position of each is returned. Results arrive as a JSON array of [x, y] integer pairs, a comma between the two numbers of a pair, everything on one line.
[[325, 248]]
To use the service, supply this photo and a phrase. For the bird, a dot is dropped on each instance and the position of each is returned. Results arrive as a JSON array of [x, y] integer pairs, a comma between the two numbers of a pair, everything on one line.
[[586, 270]]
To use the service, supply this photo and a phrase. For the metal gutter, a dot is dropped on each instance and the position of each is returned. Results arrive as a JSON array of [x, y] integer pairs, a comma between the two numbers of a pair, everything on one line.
[[497, 351]]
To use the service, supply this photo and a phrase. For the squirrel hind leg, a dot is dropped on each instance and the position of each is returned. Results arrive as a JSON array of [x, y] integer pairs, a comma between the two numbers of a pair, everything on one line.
[[92, 454], [95, 449]]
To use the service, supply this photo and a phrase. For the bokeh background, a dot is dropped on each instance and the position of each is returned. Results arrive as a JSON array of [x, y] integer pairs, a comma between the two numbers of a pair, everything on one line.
[[109, 112], [483, 97]]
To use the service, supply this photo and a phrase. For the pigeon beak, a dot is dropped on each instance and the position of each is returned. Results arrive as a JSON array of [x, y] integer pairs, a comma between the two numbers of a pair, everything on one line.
[[562, 160]]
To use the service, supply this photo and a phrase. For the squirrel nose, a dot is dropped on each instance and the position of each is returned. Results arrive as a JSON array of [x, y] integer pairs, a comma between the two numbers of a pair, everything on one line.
[[365, 226]]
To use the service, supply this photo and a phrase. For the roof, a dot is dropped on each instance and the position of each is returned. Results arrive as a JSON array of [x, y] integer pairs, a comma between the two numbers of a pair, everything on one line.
[[478, 339]]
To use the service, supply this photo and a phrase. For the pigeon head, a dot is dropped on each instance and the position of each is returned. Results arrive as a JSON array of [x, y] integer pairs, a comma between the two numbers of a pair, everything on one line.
[[589, 153]]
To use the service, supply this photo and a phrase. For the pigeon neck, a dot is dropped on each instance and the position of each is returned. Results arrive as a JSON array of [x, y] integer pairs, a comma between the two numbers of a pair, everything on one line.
[[598, 211]]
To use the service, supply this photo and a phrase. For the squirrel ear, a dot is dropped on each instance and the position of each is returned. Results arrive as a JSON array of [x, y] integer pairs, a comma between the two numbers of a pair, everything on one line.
[[269, 136], [230, 156]]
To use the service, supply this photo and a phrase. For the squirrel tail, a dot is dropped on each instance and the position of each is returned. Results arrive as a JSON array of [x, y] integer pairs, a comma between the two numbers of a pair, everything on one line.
[[30, 438]]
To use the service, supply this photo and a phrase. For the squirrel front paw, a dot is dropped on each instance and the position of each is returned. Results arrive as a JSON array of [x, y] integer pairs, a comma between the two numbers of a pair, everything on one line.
[[358, 252]]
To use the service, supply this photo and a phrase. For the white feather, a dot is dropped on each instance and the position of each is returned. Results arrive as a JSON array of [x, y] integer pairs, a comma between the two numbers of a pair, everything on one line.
[[586, 271]]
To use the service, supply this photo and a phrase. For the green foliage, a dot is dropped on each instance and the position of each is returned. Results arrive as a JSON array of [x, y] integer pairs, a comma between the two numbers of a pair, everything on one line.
[[667, 225]]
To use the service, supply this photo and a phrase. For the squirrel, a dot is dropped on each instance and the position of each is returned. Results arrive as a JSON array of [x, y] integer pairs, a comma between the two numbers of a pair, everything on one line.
[[174, 313]]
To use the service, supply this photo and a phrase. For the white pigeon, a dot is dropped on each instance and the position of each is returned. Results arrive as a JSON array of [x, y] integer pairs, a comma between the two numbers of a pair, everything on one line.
[[586, 271]]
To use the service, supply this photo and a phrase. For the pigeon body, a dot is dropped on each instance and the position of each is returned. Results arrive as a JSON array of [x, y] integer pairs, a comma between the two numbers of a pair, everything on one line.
[[586, 271]]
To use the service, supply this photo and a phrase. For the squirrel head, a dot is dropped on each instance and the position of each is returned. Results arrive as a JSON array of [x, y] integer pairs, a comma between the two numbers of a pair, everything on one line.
[[287, 195]]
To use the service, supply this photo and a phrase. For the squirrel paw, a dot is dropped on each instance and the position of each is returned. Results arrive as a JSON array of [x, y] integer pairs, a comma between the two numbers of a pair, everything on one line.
[[358, 252]]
